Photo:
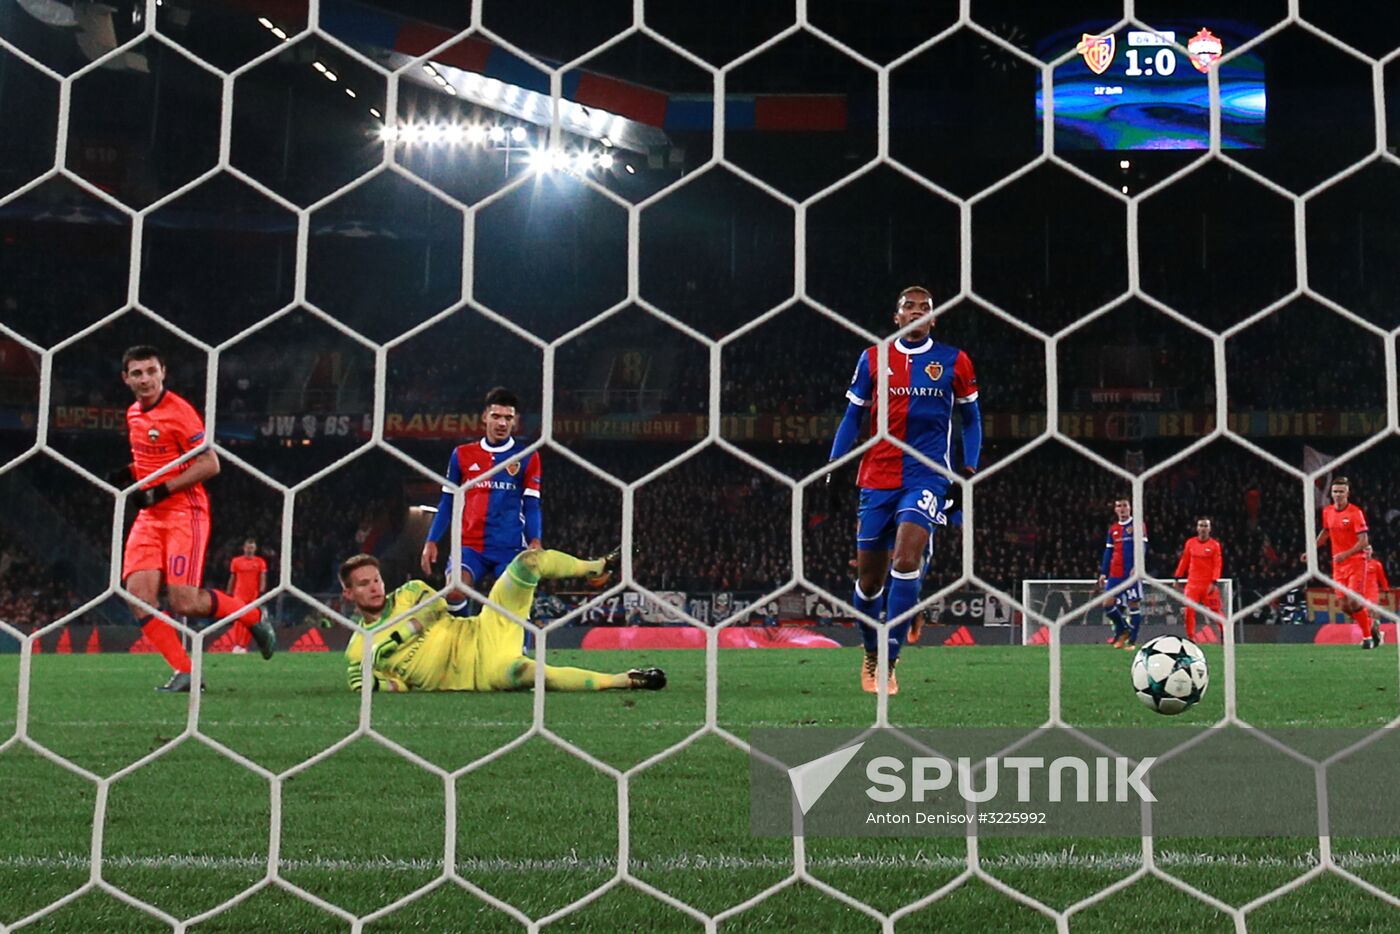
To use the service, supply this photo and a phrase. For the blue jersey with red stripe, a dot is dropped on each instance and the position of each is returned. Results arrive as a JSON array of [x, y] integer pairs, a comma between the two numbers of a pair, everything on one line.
[[925, 380], [1118, 548], [493, 511]]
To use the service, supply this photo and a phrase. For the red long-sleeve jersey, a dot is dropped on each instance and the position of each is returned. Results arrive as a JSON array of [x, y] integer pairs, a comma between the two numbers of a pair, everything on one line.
[[1200, 561]]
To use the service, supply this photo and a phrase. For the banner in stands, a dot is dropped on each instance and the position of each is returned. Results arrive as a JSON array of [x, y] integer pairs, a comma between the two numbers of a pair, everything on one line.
[[971, 608], [1324, 606], [799, 429]]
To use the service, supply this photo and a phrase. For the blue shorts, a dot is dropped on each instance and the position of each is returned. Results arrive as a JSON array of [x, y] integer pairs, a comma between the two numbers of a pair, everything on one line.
[[1132, 595], [881, 512], [492, 561]]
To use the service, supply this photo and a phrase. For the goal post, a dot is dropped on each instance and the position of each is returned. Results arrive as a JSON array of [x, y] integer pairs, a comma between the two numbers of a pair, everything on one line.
[[1056, 599]]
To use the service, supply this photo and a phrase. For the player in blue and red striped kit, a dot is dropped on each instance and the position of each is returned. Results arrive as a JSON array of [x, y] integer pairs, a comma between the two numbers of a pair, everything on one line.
[[902, 499], [1117, 566], [500, 516]]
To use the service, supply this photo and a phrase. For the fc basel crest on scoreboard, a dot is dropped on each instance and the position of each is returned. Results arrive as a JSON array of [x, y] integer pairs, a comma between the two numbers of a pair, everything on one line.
[[934, 371], [1097, 51]]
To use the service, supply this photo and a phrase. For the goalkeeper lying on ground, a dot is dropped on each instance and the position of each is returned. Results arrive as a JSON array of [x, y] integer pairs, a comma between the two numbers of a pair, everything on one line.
[[431, 650]]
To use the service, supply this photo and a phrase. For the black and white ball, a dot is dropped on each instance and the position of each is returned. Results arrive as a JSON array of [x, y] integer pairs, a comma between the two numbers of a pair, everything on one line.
[[1169, 674]]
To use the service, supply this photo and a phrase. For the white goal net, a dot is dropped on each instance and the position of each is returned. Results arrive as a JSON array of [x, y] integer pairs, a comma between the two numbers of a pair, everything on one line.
[[1054, 612]]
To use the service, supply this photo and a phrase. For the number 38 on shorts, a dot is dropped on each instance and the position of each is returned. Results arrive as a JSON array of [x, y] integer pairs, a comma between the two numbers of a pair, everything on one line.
[[881, 512]]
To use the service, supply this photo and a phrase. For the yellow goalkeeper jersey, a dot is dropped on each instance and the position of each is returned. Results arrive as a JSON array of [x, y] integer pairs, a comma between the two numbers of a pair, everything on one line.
[[396, 646]]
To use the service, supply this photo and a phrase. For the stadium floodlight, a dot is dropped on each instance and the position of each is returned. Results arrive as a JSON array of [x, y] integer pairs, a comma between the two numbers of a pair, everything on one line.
[[583, 161], [319, 67], [374, 112], [559, 160], [605, 161], [264, 22], [388, 134], [279, 33], [497, 134], [350, 93], [630, 169], [517, 134], [476, 134], [330, 75], [607, 142]]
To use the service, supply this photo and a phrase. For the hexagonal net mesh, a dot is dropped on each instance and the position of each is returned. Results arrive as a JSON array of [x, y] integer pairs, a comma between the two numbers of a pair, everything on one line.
[[966, 21]]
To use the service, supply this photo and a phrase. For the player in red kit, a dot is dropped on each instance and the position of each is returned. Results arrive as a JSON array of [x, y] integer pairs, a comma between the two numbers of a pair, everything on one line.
[[1376, 584], [1345, 526], [247, 580], [168, 540], [1200, 564]]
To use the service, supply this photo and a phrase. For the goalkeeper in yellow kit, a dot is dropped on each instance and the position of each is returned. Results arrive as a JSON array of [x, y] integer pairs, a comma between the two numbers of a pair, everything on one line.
[[429, 649]]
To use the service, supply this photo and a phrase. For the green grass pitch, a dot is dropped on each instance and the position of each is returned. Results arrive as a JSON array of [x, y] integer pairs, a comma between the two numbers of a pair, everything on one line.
[[538, 828]]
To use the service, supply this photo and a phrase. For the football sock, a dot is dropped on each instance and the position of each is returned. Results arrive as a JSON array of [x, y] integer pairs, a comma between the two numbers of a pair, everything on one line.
[[1135, 625], [904, 593], [239, 634], [557, 678], [1191, 623], [221, 605], [870, 606], [530, 567], [514, 591], [1368, 625], [1116, 615], [167, 641]]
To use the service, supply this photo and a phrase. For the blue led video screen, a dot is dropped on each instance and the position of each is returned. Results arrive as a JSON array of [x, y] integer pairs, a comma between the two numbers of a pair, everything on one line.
[[1135, 89]]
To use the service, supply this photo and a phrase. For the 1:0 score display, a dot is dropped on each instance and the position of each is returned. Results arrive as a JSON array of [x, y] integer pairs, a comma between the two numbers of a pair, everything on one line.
[[1162, 62]]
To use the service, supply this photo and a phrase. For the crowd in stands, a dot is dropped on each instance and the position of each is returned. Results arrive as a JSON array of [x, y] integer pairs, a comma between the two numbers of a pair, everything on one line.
[[647, 370], [712, 523], [32, 594]]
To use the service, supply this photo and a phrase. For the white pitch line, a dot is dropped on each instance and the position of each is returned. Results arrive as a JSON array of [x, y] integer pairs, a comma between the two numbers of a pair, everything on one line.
[[1061, 860]]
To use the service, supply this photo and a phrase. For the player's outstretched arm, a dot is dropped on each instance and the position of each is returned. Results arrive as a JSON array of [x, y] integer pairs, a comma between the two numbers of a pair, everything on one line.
[[530, 506], [442, 521], [1321, 540], [200, 469], [847, 431], [971, 415]]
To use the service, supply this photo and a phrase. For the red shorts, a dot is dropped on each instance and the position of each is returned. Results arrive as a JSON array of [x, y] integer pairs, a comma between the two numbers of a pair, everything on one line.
[[1353, 575], [173, 543], [1200, 594]]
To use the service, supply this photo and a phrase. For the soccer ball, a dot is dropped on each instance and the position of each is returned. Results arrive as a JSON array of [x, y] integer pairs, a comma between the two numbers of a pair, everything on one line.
[[1169, 674]]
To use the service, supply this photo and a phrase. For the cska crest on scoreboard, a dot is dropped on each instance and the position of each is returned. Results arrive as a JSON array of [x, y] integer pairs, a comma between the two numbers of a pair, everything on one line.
[[934, 371], [1205, 47], [1097, 51]]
